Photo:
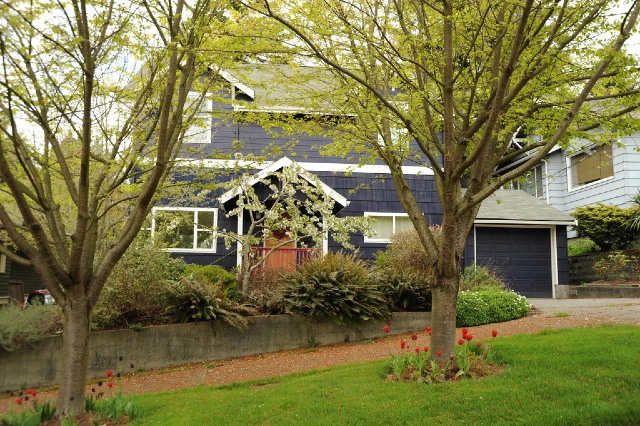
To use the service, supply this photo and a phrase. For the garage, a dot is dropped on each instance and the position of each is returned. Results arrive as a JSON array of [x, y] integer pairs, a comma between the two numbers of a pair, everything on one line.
[[525, 239], [522, 257]]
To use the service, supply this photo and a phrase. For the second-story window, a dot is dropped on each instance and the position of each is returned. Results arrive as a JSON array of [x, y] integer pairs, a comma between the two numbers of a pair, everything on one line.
[[590, 166], [387, 224], [185, 228], [200, 129]]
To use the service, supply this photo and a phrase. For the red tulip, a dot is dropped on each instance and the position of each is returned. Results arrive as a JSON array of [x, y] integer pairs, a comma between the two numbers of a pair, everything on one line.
[[426, 349], [460, 342], [109, 373], [19, 401], [469, 337], [494, 333], [429, 328], [479, 344], [386, 328], [414, 337], [32, 392], [402, 344], [451, 357], [417, 350], [110, 384], [439, 353], [465, 330]]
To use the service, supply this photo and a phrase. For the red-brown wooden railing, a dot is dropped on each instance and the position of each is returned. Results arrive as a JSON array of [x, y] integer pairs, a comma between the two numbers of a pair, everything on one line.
[[284, 257]]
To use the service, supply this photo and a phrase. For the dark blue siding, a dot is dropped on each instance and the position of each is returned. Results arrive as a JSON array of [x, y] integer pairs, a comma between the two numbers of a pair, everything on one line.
[[563, 255]]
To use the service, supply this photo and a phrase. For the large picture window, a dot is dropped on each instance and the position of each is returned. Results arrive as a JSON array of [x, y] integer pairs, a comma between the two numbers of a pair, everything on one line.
[[387, 224], [590, 167], [200, 129], [185, 228]]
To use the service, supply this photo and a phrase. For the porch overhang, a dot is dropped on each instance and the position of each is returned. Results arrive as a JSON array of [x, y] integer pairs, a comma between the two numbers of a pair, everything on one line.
[[341, 202]]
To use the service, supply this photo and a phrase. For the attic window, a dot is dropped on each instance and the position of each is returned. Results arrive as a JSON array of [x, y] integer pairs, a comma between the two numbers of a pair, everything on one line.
[[200, 129], [590, 167]]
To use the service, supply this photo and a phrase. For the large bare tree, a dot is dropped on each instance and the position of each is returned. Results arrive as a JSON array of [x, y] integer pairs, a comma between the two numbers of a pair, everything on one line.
[[94, 103], [460, 78]]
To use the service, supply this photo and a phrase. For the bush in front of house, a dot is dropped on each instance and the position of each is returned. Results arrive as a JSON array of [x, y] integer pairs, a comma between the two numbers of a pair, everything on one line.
[[404, 290], [607, 226], [582, 246], [198, 300], [475, 278], [137, 288], [216, 275], [335, 286], [405, 254], [23, 327], [265, 289], [489, 306]]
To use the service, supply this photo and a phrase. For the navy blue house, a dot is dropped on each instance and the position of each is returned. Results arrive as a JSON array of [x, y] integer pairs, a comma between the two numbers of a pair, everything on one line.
[[520, 234]]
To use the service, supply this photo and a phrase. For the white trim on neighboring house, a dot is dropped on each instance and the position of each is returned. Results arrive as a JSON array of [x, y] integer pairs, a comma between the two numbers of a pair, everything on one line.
[[239, 243], [277, 165], [195, 227], [553, 242], [308, 166], [3, 263]]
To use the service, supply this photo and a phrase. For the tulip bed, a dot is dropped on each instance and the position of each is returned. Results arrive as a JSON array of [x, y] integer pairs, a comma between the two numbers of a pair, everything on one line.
[[573, 376]]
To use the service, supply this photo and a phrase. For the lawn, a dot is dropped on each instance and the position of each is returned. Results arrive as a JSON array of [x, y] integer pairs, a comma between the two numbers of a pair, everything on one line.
[[587, 376]]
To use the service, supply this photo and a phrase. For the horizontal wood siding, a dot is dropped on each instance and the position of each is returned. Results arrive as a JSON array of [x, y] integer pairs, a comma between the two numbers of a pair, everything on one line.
[[4, 279], [27, 275]]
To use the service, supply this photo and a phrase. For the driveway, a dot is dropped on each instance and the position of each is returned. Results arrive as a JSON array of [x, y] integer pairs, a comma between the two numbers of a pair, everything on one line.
[[623, 311]]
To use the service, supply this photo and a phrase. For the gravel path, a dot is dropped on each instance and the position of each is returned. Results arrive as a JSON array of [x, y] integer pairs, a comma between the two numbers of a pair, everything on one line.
[[547, 313]]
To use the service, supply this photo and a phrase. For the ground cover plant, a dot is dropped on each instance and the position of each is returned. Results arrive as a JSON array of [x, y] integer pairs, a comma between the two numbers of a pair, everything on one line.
[[489, 306], [572, 376]]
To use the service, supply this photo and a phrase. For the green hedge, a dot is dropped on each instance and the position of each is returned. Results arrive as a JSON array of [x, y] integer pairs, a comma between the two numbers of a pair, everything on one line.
[[484, 307]]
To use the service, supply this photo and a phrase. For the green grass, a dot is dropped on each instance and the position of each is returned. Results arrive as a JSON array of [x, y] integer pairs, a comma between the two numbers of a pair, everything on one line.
[[562, 314], [587, 376]]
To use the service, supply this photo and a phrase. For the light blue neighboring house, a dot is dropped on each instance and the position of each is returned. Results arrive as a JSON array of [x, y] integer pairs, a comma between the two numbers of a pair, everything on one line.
[[585, 174]]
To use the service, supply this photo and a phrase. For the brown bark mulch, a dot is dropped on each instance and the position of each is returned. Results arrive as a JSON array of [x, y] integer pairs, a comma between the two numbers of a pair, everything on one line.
[[291, 361]]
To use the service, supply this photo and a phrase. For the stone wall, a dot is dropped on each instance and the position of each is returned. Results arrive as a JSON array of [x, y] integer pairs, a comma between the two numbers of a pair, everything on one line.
[[176, 344]]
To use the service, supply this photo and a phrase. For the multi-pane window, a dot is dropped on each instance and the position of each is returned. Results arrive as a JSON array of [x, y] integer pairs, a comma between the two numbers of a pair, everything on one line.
[[185, 228], [385, 225], [200, 129], [533, 186], [590, 166]]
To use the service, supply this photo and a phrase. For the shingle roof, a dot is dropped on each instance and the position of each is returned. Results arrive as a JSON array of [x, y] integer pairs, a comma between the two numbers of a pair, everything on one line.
[[277, 87], [515, 206]]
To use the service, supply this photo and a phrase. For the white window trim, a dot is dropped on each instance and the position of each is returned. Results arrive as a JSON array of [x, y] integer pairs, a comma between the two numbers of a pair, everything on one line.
[[368, 239], [3, 263], [534, 173], [207, 129], [195, 227], [570, 187]]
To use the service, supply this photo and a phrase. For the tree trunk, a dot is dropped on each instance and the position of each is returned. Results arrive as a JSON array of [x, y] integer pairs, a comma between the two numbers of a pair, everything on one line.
[[75, 352], [444, 297]]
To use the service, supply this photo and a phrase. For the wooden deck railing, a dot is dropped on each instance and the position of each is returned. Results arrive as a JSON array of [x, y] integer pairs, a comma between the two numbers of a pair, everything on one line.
[[284, 257]]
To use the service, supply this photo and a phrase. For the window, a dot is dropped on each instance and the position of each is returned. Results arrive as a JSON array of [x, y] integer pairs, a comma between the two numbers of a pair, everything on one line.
[[200, 129], [399, 137], [185, 228], [387, 224], [590, 166], [3, 264], [533, 186]]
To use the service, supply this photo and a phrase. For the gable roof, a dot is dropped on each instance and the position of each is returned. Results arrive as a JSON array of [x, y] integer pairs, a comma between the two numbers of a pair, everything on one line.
[[282, 88], [512, 206], [282, 163]]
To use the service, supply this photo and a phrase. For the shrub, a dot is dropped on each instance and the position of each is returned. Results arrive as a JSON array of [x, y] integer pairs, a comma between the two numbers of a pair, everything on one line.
[[194, 300], [216, 275], [582, 246], [489, 306], [21, 327], [336, 286], [607, 226], [617, 265], [265, 290], [137, 288], [480, 278], [406, 254], [404, 291]]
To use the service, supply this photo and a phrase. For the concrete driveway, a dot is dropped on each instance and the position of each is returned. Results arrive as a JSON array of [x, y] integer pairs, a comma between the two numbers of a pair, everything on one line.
[[625, 311]]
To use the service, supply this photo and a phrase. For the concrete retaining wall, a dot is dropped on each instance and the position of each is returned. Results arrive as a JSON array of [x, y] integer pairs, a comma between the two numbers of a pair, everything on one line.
[[607, 292], [176, 344]]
